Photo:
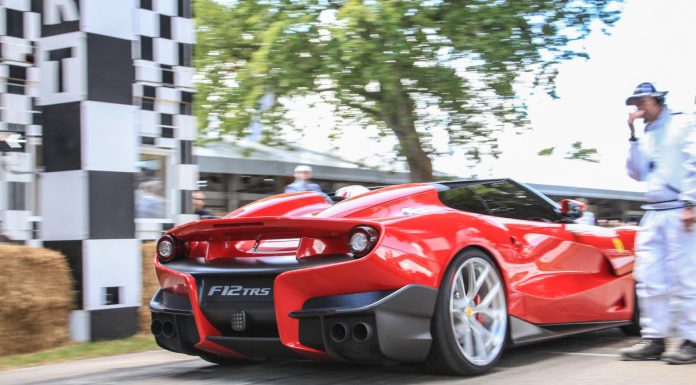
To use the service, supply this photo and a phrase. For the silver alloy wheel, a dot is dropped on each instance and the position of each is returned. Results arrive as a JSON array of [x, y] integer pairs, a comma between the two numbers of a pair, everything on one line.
[[478, 311]]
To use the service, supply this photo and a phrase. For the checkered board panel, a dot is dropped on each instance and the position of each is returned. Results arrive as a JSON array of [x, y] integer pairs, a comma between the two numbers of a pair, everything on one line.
[[163, 89], [19, 33], [20, 29]]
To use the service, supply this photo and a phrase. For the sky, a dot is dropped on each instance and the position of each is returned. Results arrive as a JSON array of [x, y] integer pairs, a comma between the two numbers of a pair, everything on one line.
[[652, 41]]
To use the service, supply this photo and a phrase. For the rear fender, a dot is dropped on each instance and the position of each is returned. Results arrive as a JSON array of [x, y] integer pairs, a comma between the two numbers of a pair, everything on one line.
[[438, 237]]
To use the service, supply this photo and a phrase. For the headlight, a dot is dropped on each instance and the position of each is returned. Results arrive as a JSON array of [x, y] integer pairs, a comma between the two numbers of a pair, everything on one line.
[[166, 248], [362, 240]]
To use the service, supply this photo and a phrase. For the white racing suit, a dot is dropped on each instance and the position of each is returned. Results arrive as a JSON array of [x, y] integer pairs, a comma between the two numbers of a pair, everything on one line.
[[665, 252]]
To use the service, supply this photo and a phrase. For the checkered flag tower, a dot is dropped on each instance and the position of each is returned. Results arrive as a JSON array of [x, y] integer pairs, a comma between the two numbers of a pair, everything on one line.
[[86, 88]]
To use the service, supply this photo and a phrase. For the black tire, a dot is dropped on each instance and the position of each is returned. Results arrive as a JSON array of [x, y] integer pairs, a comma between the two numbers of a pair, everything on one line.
[[633, 329], [446, 356]]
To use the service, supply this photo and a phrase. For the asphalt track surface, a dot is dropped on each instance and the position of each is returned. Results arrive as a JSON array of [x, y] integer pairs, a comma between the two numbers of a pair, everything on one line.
[[589, 359]]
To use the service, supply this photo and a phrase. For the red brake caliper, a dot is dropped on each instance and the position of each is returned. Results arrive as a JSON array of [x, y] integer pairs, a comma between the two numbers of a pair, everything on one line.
[[479, 316]]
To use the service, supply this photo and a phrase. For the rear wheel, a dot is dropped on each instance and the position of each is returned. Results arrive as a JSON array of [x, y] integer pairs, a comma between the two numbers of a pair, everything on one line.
[[470, 322]]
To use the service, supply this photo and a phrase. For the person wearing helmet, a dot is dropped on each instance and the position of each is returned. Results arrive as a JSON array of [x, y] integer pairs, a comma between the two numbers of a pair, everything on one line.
[[665, 158], [351, 191]]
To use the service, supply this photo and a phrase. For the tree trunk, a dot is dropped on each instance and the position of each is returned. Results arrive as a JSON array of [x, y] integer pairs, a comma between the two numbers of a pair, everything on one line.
[[399, 114]]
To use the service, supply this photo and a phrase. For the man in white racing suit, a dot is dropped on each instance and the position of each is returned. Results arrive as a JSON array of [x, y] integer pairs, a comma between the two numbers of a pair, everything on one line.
[[665, 158]]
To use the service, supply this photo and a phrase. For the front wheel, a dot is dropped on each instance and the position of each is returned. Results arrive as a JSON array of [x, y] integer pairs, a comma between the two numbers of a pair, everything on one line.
[[470, 321]]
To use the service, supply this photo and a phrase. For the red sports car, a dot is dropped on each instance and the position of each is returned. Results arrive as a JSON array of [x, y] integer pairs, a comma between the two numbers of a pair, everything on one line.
[[446, 274]]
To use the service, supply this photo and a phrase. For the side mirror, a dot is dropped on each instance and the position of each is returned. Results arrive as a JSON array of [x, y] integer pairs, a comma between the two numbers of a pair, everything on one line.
[[572, 209]]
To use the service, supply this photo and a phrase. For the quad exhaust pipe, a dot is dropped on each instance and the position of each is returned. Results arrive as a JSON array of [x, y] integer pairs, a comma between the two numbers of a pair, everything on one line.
[[162, 329], [360, 332], [339, 332]]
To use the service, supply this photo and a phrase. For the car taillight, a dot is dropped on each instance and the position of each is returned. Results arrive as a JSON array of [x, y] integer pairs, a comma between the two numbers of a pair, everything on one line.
[[168, 248], [362, 240]]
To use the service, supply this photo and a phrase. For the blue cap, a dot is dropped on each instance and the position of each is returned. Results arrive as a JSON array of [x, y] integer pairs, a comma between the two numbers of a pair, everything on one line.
[[644, 89]]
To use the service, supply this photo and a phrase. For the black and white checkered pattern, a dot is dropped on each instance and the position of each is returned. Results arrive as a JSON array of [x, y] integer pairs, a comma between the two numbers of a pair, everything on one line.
[[164, 90], [95, 82], [19, 32]]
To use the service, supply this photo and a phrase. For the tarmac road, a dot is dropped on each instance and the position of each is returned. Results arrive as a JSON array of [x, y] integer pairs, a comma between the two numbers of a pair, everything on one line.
[[589, 359]]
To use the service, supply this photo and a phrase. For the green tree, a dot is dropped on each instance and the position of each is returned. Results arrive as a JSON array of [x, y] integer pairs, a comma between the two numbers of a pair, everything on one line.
[[408, 66], [577, 152], [546, 151], [581, 153]]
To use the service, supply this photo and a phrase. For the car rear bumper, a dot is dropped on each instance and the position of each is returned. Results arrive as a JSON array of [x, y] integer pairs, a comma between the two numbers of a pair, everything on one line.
[[375, 326]]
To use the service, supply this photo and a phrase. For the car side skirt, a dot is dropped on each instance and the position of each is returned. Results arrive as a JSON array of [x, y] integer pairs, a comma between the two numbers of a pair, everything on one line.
[[523, 332]]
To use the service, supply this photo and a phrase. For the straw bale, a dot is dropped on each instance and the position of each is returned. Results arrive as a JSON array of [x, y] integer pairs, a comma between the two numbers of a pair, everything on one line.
[[150, 285], [37, 297]]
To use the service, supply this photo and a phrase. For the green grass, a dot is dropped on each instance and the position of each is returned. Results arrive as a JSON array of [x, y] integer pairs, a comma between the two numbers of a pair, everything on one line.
[[76, 351]]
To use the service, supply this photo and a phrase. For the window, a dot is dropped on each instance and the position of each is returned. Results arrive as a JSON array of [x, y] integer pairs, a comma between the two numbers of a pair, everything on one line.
[[15, 23], [146, 49], [151, 182], [502, 198], [167, 75], [186, 104], [167, 125], [112, 295], [185, 54], [509, 200], [17, 80], [148, 140], [148, 99], [184, 8], [165, 26], [463, 199]]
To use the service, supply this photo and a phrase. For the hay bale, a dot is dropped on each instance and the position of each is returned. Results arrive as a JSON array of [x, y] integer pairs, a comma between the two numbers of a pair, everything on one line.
[[150, 285], [37, 297]]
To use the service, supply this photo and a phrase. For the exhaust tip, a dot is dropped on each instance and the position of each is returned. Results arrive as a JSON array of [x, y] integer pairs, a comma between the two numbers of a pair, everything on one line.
[[168, 329], [362, 332], [156, 328], [339, 332]]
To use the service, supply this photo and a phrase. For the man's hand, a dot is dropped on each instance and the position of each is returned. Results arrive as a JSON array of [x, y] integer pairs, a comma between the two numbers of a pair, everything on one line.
[[635, 115], [689, 218], [631, 118]]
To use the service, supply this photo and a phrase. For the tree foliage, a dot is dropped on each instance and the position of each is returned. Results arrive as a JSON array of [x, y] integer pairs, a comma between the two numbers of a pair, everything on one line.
[[586, 154], [546, 151], [408, 67], [577, 152]]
